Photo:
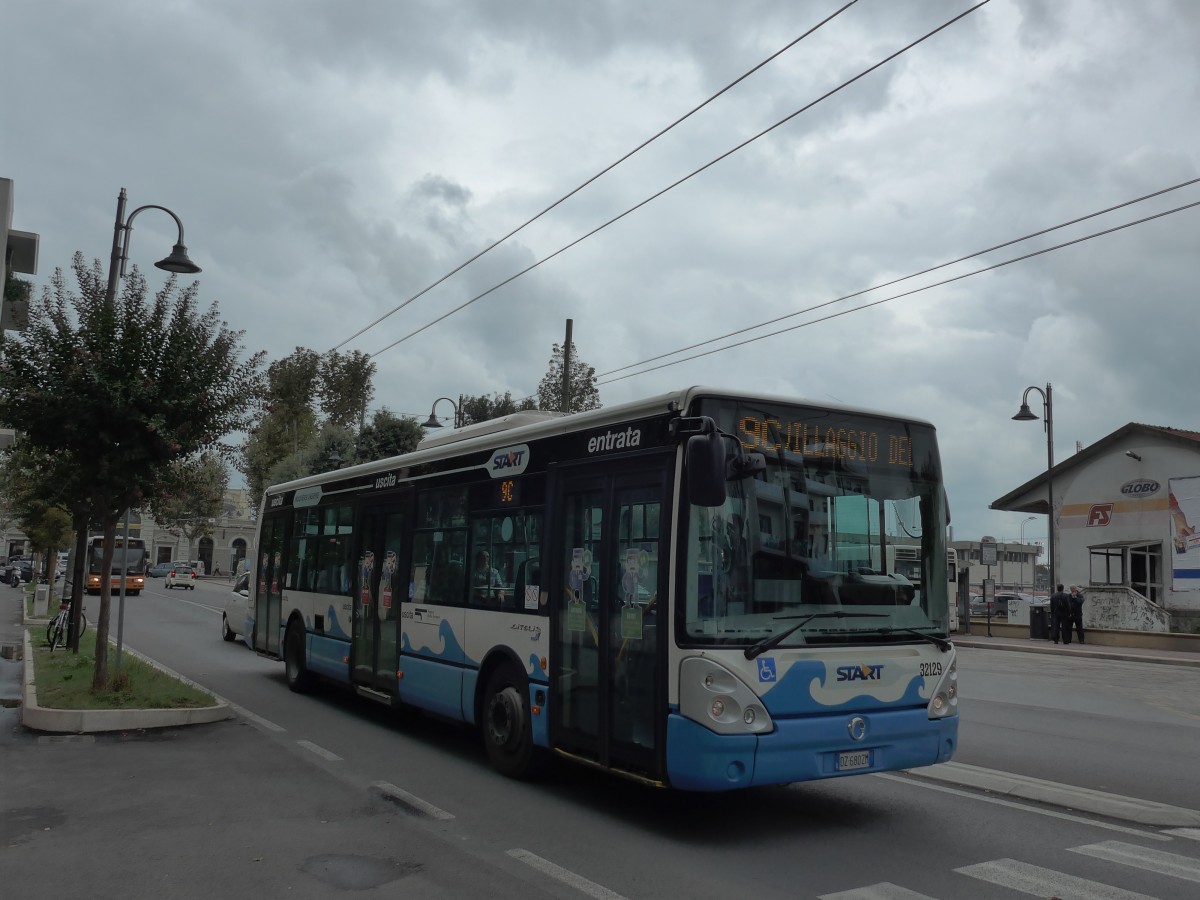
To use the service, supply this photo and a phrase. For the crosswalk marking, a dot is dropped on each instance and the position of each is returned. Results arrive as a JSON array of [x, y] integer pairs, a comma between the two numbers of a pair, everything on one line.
[[1144, 858], [1192, 834], [1040, 882], [885, 890]]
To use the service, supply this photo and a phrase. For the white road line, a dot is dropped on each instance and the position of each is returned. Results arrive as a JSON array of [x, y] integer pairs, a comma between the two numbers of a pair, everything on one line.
[[410, 800], [566, 876], [320, 751], [1192, 834], [885, 890], [1030, 879], [258, 720], [1147, 858], [1024, 807]]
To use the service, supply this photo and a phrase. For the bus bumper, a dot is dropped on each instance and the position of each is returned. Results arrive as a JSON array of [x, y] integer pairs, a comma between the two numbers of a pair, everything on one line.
[[804, 749]]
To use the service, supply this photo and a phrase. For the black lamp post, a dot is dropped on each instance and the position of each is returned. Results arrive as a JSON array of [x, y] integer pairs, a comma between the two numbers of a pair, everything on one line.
[[433, 422], [1025, 414], [177, 261]]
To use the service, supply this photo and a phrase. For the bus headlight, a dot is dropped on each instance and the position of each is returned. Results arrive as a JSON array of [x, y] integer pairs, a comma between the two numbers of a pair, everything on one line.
[[944, 702], [714, 697]]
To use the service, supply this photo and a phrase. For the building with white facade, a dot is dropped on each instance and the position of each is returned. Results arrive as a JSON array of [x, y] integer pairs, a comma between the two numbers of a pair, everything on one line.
[[1127, 526]]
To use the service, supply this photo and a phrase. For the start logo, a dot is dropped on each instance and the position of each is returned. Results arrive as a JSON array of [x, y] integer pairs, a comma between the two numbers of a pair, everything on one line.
[[859, 673], [1099, 515], [509, 461]]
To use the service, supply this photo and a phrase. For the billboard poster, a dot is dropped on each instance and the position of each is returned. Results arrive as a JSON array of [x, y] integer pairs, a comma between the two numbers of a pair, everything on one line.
[[1184, 504]]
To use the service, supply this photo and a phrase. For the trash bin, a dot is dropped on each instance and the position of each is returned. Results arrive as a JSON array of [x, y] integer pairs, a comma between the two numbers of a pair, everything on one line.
[[41, 601], [1039, 625]]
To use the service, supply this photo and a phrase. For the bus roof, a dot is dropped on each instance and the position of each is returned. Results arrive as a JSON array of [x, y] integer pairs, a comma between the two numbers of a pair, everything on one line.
[[533, 424]]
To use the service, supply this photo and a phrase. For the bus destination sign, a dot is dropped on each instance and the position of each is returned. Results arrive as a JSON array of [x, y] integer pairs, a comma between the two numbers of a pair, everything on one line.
[[864, 441]]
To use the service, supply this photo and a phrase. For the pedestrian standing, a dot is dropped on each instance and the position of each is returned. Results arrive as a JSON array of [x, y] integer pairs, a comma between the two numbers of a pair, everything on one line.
[[1076, 599], [1060, 616]]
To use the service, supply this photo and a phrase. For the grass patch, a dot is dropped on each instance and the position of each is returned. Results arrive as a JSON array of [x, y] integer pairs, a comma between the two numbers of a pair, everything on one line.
[[64, 680]]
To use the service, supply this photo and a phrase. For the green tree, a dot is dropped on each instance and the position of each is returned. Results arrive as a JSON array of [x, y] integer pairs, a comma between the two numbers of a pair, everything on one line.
[[584, 394], [31, 491], [345, 387], [123, 388], [190, 497], [484, 407], [388, 434]]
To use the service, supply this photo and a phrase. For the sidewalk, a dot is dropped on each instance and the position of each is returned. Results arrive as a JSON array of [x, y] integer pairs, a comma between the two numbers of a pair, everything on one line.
[[221, 809], [1093, 651]]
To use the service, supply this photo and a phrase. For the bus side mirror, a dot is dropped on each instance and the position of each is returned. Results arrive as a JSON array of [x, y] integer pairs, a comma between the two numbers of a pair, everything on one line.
[[706, 469]]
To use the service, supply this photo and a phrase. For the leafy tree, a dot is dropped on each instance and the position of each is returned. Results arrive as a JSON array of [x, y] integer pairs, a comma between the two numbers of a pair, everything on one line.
[[31, 491], [305, 394], [345, 387], [281, 435], [191, 496], [123, 388], [388, 434], [584, 394], [484, 408]]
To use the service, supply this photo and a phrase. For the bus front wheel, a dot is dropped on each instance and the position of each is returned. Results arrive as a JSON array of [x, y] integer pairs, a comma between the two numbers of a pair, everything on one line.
[[507, 729], [299, 679]]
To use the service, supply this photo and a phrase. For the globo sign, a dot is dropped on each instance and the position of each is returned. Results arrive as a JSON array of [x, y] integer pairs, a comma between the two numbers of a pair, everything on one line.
[[1143, 487]]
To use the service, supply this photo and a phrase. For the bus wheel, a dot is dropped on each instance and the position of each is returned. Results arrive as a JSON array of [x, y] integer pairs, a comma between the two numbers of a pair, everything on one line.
[[299, 679], [507, 730]]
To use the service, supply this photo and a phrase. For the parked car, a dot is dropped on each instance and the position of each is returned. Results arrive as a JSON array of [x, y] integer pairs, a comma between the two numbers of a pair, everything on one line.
[[159, 570], [236, 617], [181, 576]]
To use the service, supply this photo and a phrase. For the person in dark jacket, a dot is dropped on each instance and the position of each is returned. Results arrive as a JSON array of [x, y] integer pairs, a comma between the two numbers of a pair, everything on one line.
[[1076, 620], [1060, 616]]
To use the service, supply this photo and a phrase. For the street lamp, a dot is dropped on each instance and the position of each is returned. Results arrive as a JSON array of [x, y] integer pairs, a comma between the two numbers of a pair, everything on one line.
[[433, 421], [1021, 541], [177, 261], [1024, 414]]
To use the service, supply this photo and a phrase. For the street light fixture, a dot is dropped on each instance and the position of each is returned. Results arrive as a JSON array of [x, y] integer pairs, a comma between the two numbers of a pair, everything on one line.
[[177, 261], [1025, 414], [433, 421]]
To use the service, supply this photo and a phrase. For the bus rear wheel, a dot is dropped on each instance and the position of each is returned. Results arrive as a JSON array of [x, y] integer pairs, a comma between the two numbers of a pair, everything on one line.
[[299, 679], [506, 725]]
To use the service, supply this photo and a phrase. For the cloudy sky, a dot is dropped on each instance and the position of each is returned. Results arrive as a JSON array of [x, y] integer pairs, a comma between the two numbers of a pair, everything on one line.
[[331, 160]]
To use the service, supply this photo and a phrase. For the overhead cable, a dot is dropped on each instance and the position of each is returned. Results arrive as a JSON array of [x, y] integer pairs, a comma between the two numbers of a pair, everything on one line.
[[682, 180], [927, 287], [598, 175]]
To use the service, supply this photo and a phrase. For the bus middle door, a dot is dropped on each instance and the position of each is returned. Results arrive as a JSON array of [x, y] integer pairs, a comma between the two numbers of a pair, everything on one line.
[[609, 556], [377, 596]]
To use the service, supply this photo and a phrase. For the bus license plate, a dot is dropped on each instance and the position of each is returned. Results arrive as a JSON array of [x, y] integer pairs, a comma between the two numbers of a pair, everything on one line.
[[856, 759]]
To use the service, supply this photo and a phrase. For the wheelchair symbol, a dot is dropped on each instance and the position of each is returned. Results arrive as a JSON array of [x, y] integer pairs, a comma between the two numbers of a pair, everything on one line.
[[766, 669]]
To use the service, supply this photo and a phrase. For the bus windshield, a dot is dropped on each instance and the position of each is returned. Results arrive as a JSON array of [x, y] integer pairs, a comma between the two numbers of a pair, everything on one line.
[[811, 538], [126, 560]]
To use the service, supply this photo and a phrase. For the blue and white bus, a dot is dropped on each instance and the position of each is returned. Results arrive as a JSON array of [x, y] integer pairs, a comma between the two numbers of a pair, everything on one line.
[[672, 590]]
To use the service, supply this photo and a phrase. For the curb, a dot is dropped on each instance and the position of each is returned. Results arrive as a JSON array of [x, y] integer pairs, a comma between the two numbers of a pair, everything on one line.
[[1114, 806], [1106, 653], [87, 721]]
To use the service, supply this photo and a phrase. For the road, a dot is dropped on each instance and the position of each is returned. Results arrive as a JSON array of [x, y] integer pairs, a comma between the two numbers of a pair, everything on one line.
[[1120, 727]]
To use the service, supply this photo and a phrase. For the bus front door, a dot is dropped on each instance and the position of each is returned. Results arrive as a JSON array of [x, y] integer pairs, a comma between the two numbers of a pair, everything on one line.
[[377, 597], [268, 596], [610, 552]]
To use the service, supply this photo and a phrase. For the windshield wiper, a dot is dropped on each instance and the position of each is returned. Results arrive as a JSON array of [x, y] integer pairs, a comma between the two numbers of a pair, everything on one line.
[[941, 643], [776, 639]]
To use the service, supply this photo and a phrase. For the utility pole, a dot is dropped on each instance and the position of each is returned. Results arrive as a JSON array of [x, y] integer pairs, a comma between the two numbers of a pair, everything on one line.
[[566, 382]]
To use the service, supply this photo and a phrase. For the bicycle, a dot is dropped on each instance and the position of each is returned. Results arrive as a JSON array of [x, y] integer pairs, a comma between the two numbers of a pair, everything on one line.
[[56, 631]]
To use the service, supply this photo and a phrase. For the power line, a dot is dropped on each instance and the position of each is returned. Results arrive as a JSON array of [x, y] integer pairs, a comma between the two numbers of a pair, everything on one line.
[[885, 284], [597, 176], [1007, 262], [682, 180]]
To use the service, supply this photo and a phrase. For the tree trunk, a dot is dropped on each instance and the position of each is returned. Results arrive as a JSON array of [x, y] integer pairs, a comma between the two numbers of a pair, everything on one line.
[[78, 580], [100, 674]]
